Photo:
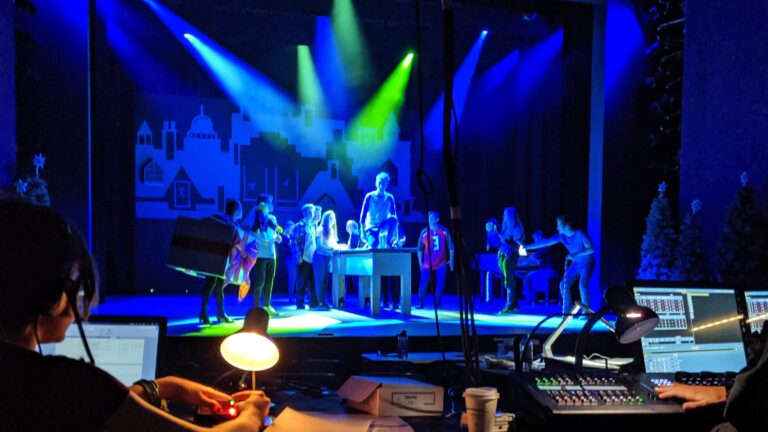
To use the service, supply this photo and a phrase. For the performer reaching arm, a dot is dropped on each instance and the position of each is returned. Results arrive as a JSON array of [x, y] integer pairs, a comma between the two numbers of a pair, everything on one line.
[[492, 241], [378, 216], [580, 262], [511, 236]]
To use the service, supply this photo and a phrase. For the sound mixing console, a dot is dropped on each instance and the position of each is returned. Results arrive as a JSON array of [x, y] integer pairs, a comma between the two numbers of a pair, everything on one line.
[[568, 393]]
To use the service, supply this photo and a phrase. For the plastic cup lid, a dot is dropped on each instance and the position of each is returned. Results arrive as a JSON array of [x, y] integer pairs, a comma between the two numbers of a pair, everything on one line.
[[483, 392]]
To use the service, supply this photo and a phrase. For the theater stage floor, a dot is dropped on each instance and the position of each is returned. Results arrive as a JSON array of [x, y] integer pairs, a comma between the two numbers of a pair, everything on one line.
[[182, 313]]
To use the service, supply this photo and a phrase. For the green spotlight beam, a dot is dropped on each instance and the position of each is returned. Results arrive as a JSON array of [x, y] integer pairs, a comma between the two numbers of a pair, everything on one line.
[[389, 98], [310, 91], [351, 41]]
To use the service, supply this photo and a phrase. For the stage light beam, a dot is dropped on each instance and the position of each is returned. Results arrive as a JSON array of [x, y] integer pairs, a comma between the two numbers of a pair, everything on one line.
[[244, 85], [351, 41], [462, 81], [310, 90], [408, 60], [388, 99]]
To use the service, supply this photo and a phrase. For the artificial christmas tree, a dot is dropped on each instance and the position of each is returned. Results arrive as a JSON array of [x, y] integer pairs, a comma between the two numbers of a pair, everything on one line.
[[35, 189], [657, 258], [743, 250], [690, 260]]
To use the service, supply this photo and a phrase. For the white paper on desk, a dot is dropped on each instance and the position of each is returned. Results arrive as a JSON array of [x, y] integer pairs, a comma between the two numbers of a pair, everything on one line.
[[291, 420]]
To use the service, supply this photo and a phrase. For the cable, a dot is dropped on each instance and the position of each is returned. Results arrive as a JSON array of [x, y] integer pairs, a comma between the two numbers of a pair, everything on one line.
[[424, 181], [466, 306]]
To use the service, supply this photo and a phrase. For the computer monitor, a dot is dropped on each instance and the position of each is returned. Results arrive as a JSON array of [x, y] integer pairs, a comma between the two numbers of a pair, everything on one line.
[[128, 347], [699, 329], [757, 309]]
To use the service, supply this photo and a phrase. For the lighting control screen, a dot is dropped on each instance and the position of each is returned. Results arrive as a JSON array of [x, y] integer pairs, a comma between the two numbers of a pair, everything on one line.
[[699, 330]]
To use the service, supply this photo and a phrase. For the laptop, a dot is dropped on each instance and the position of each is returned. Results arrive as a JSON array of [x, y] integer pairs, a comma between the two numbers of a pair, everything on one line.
[[699, 329], [127, 347], [757, 309]]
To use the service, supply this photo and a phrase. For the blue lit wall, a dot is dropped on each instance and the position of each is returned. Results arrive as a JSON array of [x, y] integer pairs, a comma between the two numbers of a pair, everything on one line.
[[7, 96], [725, 85]]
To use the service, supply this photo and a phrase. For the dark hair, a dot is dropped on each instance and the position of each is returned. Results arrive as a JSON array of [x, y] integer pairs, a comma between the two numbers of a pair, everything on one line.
[[263, 198], [565, 220], [37, 252], [232, 206]]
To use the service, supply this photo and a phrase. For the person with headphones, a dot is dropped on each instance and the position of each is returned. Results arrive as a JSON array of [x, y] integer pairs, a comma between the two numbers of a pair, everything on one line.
[[48, 281]]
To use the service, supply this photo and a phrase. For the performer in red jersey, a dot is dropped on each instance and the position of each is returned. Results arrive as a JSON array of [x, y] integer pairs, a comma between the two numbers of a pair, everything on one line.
[[438, 239]]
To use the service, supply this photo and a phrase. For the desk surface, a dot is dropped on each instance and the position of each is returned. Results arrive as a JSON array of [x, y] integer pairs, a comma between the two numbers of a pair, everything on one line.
[[418, 357], [331, 404], [376, 251]]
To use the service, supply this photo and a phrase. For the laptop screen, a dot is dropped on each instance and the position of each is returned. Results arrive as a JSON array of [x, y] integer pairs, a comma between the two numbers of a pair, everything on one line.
[[698, 331], [757, 309], [129, 348]]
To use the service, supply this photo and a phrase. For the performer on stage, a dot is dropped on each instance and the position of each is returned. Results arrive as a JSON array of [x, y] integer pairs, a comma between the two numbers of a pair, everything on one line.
[[232, 214], [492, 241], [318, 215], [511, 236], [433, 261], [327, 243], [353, 230], [289, 259], [304, 245], [580, 262], [267, 234], [378, 216]]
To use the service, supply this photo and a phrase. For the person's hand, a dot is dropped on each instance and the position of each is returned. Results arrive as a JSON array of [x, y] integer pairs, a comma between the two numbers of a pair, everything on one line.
[[255, 403], [278, 239], [695, 396], [569, 257], [180, 390], [450, 265]]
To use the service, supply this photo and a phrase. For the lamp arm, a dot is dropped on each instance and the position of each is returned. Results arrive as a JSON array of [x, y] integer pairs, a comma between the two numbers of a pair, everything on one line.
[[526, 345], [547, 347], [589, 311], [581, 339]]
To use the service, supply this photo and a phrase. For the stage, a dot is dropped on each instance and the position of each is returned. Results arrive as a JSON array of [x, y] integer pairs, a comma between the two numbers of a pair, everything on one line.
[[182, 313]]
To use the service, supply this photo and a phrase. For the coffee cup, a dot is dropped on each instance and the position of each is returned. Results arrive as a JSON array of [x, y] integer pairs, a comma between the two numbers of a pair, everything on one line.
[[481, 408]]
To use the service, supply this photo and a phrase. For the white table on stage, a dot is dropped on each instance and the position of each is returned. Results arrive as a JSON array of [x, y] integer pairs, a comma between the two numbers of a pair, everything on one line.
[[370, 265]]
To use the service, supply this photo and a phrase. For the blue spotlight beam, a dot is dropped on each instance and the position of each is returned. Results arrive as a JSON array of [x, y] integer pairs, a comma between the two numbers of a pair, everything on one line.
[[462, 82], [247, 87], [330, 69]]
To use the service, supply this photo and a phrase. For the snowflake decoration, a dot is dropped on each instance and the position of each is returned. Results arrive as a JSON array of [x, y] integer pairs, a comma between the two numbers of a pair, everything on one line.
[[39, 162], [21, 187]]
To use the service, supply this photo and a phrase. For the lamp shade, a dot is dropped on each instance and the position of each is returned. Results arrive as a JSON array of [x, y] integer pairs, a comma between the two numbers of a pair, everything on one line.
[[249, 351], [635, 322]]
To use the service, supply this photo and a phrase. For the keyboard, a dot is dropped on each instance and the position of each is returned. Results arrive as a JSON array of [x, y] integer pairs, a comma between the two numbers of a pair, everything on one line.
[[691, 378]]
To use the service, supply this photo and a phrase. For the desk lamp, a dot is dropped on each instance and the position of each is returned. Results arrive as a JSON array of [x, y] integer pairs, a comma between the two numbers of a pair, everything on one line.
[[250, 348], [632, 323]]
